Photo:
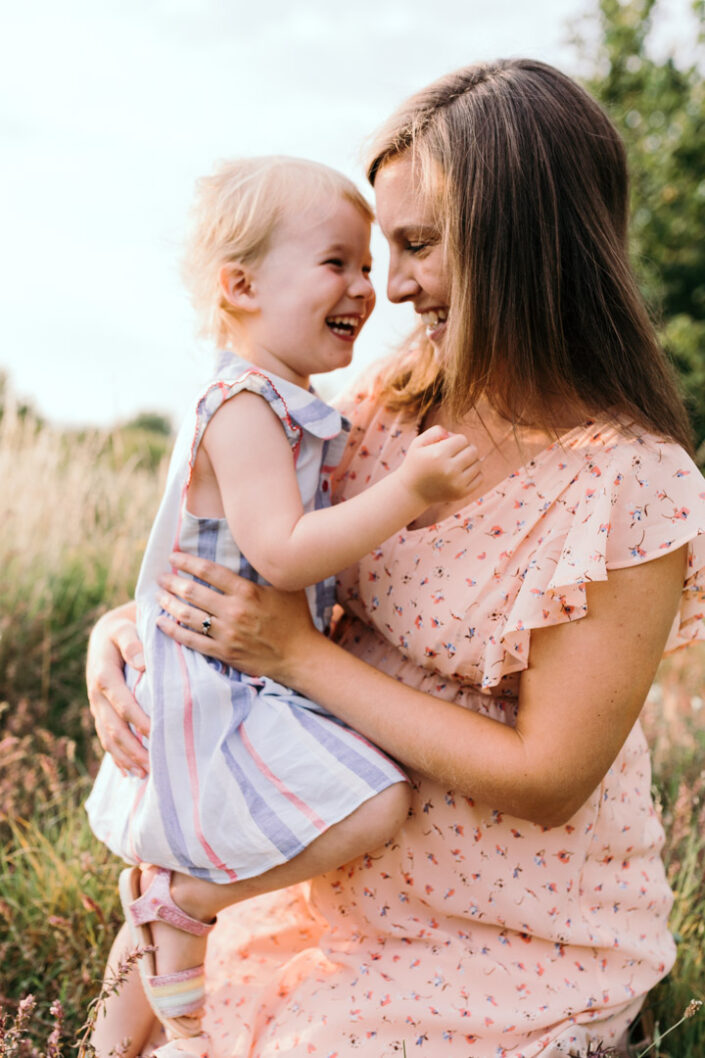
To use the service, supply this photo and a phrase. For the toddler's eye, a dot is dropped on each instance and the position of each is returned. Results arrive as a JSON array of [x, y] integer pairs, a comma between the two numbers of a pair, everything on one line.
[[335, 261]]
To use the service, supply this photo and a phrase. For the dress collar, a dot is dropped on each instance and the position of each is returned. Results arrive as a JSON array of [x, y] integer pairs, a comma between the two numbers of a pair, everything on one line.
[[304, 406]]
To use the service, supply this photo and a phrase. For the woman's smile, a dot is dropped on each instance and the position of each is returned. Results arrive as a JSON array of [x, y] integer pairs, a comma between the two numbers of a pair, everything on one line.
[[434, 320]]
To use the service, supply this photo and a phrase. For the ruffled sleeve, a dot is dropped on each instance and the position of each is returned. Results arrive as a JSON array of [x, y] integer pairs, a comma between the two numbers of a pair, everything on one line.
[[658, 506], [632, 500]]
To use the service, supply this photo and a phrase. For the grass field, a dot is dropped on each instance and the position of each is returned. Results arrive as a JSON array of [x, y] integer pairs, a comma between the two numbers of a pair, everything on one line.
[[75, 511]]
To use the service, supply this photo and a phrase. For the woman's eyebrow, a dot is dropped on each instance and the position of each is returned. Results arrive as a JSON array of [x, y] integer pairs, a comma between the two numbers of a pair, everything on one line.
[[404, 231]]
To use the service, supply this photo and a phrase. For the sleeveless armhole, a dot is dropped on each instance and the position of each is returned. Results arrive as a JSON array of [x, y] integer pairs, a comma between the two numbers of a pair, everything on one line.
[[221, 390]]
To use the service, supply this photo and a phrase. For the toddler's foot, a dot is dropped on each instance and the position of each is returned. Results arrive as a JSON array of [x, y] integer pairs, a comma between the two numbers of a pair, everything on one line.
[[172, 976], [176, 950]]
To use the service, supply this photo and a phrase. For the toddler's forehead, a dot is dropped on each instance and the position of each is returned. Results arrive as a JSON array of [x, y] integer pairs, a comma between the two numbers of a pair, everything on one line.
[[321, 216]]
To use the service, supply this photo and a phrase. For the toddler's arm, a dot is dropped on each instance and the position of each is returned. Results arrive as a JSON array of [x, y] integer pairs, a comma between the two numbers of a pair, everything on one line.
[[252, 463]]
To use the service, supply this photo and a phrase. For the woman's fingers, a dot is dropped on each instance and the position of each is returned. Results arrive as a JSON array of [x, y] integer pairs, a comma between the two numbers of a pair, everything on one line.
[[204, 644], [187, 614], [114, 709], [251, 626], [129, 644], [189, 594], [224, 580], [113, 641], [118, 740]]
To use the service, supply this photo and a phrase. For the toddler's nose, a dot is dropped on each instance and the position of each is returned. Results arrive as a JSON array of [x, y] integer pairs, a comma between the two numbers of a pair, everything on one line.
[[361, 287]]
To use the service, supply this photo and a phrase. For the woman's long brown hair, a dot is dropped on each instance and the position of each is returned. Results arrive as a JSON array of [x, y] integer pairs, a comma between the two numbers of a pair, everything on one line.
[[544, 308]]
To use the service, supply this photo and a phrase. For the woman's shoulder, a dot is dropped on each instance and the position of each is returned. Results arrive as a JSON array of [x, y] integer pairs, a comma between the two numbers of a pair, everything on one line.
[[625, 457], [608, 496], [630, 478]]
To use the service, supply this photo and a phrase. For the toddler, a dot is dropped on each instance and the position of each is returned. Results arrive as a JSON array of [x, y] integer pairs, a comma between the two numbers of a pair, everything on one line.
[[251, 786]]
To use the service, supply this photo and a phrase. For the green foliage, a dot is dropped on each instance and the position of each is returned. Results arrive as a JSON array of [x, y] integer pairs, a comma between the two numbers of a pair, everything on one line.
[[76, 510], [675, 725], [59, 910], [138, 447], [43, 645], [153, 421], [659, 108]]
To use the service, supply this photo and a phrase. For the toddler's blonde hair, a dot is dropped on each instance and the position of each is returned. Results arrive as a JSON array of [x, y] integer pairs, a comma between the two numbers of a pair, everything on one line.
[[236, 211]]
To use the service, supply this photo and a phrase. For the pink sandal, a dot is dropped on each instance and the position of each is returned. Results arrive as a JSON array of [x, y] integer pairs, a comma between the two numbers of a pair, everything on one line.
[[176, 998]]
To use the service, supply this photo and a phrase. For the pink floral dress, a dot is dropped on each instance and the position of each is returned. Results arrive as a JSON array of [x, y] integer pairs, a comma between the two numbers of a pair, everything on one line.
[[475, 934]]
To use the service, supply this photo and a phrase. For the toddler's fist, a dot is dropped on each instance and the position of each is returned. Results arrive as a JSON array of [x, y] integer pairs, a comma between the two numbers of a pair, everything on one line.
[[440, 466]]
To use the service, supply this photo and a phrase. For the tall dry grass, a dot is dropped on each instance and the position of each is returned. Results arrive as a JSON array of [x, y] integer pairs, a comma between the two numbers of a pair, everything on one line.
[[75, 510]]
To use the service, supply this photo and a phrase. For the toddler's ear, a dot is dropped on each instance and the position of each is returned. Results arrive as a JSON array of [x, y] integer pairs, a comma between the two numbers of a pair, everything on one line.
[[237, 287]]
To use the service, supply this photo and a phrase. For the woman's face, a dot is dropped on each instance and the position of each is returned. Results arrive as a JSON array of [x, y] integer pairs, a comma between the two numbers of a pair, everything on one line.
[[417, 267]]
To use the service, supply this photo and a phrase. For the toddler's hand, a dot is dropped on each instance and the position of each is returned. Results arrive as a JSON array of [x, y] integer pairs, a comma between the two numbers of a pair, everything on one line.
[[440, 466]]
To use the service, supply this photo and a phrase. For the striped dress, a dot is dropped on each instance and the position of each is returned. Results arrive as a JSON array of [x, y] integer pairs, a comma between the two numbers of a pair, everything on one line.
[[244, 773]]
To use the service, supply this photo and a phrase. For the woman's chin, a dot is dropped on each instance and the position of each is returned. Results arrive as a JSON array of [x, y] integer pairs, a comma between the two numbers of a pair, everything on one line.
[[437, 338], [438, 348]]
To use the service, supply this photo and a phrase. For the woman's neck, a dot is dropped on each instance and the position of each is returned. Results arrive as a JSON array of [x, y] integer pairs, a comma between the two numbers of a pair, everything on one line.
[[552, 419], [502, 448]]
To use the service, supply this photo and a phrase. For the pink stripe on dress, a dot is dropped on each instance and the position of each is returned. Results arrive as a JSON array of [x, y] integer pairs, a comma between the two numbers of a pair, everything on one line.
[[189, 746], [276, 781]]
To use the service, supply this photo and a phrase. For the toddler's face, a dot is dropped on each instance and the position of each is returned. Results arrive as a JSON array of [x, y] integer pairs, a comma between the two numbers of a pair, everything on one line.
[[312, 291]]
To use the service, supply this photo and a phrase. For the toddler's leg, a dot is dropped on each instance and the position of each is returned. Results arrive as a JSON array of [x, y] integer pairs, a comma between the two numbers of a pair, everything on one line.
[[365, 829], [126, 1013], [369, 826]]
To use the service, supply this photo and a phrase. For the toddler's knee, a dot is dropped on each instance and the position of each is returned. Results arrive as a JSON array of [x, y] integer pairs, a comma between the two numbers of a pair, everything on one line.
[[394, 806]]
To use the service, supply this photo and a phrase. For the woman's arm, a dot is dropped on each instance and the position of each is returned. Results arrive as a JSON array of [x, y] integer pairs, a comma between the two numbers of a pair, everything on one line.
[[579, 698], [113, 643], [251, 460]]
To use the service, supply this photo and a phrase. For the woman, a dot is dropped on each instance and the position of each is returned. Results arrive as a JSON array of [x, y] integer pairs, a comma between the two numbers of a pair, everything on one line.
[[502, 647]]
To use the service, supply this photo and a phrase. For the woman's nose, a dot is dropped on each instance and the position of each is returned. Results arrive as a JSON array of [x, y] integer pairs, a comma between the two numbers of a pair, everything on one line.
[[401, 285]]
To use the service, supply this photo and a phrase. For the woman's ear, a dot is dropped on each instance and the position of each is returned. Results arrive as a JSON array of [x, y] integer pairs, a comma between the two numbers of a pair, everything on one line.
[[236, 284]]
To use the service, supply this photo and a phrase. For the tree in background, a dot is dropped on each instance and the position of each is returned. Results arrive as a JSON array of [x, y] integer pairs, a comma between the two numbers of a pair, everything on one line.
[[153, 422], [659, 107]]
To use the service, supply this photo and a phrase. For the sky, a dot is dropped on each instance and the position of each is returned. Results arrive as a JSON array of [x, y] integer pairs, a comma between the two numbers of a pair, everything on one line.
[[111, 109]]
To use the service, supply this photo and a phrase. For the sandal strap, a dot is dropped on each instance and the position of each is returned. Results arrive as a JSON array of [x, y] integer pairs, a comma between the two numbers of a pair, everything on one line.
[[177, 994], [157, 904]]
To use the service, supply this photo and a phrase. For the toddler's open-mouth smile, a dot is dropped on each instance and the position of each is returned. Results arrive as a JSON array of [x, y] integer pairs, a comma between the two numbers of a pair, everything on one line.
[[345, 327]]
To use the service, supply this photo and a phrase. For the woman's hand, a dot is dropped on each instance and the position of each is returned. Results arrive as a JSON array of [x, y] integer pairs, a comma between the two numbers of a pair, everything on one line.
[[113, 643], [256, 629]]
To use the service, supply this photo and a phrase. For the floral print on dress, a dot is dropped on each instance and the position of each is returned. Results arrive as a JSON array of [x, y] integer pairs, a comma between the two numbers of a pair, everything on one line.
[[475, 934]]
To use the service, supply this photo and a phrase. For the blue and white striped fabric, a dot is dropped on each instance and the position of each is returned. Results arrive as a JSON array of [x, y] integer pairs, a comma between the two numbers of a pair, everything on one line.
[[244, 773]]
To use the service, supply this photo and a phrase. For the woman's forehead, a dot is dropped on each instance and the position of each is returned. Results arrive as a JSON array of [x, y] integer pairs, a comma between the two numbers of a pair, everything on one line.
[[403, 197]]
